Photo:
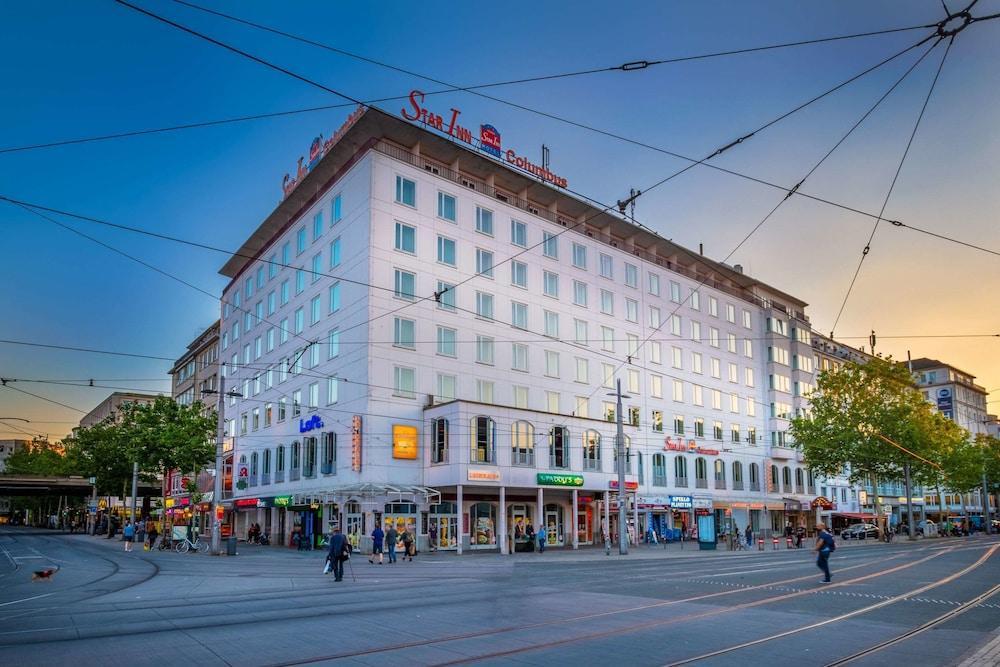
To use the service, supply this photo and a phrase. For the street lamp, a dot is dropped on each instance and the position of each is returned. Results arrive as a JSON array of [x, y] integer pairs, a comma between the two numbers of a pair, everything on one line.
[[620, 449], [217, 485]]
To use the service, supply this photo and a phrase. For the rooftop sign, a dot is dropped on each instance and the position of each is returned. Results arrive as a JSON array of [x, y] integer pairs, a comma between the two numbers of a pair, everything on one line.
[[317, 151]]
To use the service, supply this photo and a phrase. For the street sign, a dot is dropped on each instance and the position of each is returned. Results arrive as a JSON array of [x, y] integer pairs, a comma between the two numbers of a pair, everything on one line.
[[92, 508], [92, 480]]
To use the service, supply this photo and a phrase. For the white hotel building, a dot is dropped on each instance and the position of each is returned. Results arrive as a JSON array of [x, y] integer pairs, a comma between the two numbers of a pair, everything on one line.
[[485, 409]]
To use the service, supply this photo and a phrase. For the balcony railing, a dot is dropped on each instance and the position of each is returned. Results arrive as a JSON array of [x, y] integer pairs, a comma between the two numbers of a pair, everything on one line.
[[738, 485], [293, 475], [327, 469], [681, 482], [720, 484], [265, 478], [253, 480], [701, 483], [755, 486], [404, 155], [279, 476]]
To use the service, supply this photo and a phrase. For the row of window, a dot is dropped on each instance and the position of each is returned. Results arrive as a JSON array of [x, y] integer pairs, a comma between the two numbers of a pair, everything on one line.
[[580, 253], [305, 459]]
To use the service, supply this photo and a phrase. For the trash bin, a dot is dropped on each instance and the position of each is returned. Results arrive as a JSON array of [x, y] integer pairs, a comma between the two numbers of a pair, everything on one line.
[[230, 546]]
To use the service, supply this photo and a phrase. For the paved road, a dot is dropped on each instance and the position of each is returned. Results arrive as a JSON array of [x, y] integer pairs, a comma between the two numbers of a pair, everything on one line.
[[939, 599]]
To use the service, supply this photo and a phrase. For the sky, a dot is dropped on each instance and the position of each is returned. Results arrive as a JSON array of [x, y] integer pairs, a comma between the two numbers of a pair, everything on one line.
[[81, 69]]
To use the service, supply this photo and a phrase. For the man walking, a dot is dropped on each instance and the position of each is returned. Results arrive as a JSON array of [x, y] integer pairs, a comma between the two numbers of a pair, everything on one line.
[[542, 538], [391, 537], [340, 550], [825, 545], [377, 538]]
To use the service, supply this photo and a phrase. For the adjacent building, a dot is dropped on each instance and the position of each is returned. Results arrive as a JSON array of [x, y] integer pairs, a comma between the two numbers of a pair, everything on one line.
[[8, 447], [429, 337], [110, 407]]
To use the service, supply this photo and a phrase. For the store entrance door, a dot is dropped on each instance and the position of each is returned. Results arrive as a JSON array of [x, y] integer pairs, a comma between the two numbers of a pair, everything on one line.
[[520, 516], [585, 525], [554, 530]]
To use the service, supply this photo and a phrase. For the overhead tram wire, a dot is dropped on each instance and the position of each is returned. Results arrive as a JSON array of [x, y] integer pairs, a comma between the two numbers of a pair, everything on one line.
[[4, 385], [625, 67], [888, 194]]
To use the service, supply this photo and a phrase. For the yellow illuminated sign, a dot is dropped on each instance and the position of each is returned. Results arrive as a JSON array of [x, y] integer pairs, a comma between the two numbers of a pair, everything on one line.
[[404, 441]]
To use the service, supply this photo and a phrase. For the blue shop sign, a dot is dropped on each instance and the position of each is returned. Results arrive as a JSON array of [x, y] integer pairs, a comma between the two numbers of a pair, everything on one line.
[[681, 502], [310, 424]]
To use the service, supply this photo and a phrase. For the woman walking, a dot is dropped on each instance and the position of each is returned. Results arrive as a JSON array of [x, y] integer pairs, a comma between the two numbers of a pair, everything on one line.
[[408, 549], [128, 535]]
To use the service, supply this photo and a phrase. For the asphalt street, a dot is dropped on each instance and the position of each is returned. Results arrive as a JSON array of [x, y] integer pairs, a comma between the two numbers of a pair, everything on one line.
[[933, 602]]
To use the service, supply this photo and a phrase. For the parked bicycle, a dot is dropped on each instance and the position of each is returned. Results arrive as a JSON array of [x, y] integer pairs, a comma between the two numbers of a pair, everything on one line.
[[186, 545]]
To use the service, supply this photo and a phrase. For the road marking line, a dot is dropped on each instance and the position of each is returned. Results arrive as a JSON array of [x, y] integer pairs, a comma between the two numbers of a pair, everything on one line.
[[34, 597]]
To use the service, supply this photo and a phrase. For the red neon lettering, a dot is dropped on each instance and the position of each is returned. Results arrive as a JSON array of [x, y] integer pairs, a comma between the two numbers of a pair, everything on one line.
[[417, 109], [451, 124]]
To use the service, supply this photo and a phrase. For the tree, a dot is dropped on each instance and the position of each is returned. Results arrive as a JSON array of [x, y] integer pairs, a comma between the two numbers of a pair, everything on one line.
[[854, 405], [40, 458], [101, 452]]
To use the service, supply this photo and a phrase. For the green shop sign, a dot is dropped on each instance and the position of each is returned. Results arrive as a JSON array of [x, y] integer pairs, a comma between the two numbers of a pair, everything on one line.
[[556, 479], [282, 501]]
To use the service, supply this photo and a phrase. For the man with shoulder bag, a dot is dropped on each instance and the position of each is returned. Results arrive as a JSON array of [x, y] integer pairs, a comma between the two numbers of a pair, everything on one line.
[[340, 550]]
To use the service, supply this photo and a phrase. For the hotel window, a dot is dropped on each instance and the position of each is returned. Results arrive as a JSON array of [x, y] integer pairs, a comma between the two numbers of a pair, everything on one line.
[[632, 310], [255, 419], [678, 425], [734, 433], [749, 376], [582, 406], [734, 403], [746, 319], [731, 342], [680, 471], [518, 233], [551, 324], [774, 325], [606, 266], [582, 370], [731, 313], [655, 321], [519, 274], [607, 302], [484, 262], [580, 335], [675, 325], [484, 305], [522, 440], [654, 350], [550, 245], [406, 191], [272, 266], [696, 331], [405, 287], [551, 364], [580, 293], [696, 362], [258, 347], [717, 430], [446, 207], [559, 447], [300, 281], [699, 427], [332, 390], [296, 402], [716, 368], [300, 241], [329, 464], [314, 395], [284, 292], [591, 450], [631, 275], [483, 440], [317, 226], [751, 407], [631, 344], [286, 253], [579, 256], [518, 315], [654, 284], [446, 251], [716, 399], [695, 300], [696, 394], [271, 303], [299, 320], [439, 448], [607, 339], [484, 391], [675, 292], [249, 288], [520, 397], [632, 381], [552, 402], [445, 296], [678, 391], [657, 421], [334, 297], [608, 375], [748, 348], [609, 411], [338, 211], [282, 408], [656, 386], [260, 277], [404, 382], [315, 304], [484, 221], [519, 357], [484, 349], [406, 238], [676, 355], [404, 333], [713, 337], [550, 284], [446, 387]]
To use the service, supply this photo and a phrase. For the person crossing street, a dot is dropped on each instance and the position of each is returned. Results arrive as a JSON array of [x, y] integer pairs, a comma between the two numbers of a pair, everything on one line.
[[825, 545]]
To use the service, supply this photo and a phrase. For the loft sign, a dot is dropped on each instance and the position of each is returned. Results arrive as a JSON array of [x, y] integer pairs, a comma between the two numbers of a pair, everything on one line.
[[306, 425], [489, 137]]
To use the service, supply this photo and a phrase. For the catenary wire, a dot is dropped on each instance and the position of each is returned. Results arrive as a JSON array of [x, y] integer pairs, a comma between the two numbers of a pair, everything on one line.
[[892, 185]]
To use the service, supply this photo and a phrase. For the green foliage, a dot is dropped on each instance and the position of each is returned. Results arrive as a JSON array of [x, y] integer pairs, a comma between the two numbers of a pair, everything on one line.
[[855, 404], [168, 436], [41, 458]]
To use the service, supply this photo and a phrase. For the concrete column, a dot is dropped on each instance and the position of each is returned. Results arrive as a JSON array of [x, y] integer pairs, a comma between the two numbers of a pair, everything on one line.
[[607, 515], [575, 519], [502, 521], [539, 511], [635, 517], [461, 517]]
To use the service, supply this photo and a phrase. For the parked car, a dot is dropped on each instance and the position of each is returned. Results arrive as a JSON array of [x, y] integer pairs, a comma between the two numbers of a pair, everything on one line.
[[860, 531], [927, 528]]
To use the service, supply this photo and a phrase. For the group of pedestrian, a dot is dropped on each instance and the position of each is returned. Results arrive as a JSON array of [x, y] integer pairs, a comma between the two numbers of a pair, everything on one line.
[[253, 533], [387, 541]]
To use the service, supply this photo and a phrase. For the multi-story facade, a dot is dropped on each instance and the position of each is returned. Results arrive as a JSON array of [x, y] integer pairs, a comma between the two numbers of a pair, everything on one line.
[[193, 374], [425, 336], [110, 407], [955, 394], [8, 447]]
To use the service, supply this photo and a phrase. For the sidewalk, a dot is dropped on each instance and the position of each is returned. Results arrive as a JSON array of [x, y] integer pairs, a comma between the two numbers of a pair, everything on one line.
[[988, 655]]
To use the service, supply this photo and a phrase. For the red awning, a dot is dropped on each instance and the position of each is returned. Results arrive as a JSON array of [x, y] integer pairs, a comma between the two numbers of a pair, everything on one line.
[[854, 515]]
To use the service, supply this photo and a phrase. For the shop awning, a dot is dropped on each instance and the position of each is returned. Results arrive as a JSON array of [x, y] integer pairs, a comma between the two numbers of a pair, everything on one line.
[[853, 515], [370, 492]]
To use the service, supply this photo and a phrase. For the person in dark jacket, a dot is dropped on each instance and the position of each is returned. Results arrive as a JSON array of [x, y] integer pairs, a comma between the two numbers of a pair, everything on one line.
[[340, 550], [378, 537], [391, 538]]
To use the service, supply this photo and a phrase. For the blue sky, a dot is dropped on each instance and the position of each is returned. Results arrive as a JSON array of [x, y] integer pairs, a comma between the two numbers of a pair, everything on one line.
[[77, 69]]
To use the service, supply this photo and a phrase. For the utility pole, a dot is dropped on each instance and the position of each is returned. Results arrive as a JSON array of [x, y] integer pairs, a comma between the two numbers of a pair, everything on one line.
[[911, 528], [622, 495], [220, 435], [135, 483], [987, 524]]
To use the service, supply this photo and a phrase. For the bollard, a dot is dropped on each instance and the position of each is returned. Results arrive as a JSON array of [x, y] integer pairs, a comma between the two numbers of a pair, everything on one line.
[[788, 543], [774, 544], [760, 544]]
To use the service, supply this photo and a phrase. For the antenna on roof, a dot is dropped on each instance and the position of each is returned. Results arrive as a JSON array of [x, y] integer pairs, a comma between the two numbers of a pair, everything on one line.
[[629, 203], [545, 156]]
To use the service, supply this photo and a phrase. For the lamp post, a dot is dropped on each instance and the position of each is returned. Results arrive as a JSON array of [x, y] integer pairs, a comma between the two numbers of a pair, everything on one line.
[[620, 450], [219, 454]]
